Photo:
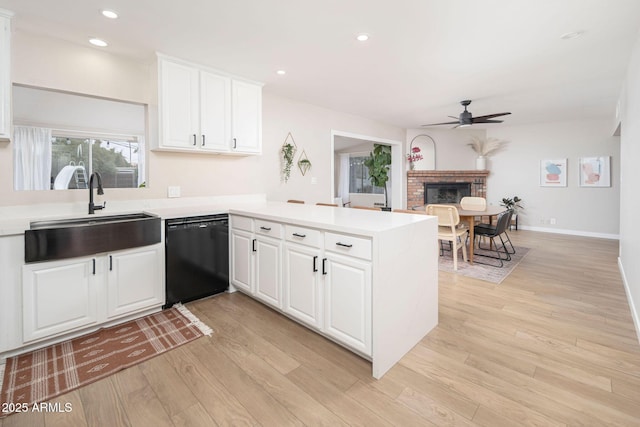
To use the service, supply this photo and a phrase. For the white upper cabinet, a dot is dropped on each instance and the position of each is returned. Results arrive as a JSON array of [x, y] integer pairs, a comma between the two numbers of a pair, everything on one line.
[[5, 79], [205, 111]]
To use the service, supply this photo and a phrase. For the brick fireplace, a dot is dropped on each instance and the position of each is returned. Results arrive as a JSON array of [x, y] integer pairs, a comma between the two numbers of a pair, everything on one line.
[[416, 180]]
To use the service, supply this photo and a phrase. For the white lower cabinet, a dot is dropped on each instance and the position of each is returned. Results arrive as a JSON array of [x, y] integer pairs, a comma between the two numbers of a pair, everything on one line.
[[302, 284], [347, 302], [325, 281], [267, 270], [58, 296], [134, 280], [67, 295]]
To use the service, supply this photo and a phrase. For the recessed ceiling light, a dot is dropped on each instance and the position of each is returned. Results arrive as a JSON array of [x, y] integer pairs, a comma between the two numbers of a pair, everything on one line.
[[110, 14], [571, 35], [362, 37], [281, 72], [97, 42]]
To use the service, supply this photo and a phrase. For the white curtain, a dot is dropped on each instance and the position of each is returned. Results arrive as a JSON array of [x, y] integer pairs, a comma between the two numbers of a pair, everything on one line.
[[32, 158], [343, 180]]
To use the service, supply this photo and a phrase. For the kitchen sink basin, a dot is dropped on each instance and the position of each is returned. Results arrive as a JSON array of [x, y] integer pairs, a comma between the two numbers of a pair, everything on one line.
[[75, 237]]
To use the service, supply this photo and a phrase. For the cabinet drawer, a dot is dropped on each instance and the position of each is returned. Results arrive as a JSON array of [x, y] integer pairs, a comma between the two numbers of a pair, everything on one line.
[[269, 228], [349, 245], [302, 235], [242, 223]]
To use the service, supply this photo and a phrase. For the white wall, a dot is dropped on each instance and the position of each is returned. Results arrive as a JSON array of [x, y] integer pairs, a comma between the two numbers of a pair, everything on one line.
[[579, 210], [60, 65], [629, 179]]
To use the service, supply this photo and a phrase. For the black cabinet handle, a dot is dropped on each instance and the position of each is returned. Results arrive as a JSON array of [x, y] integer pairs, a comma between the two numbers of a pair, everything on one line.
[[253, 246], [300, 235], [203, 141], [324, 266], [265, 228], [344, 245], [194, 139], [110, 263], [94, 266], [315, 263], [234, 143]]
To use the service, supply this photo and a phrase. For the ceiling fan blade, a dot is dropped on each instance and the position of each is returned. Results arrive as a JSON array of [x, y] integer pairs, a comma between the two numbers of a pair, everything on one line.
[[490, 116], [454, 117], [476, 121], [445, 123]]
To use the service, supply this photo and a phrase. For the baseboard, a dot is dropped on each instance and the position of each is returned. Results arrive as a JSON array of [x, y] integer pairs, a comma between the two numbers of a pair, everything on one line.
[[571, 232], [632, 306]]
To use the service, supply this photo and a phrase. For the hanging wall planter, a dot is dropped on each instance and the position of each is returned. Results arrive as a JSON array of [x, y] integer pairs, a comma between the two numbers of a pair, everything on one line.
[[288, 152], [304, 163]]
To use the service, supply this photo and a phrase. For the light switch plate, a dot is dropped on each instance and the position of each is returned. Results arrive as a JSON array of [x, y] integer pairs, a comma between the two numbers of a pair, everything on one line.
[[173, 191]]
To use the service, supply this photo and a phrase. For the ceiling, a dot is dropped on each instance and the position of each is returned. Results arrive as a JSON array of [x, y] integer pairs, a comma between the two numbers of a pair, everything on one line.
[[422, 57]]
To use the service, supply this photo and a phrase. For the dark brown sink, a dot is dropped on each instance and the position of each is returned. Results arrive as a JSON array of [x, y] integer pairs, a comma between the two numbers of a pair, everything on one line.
[[76, 237]]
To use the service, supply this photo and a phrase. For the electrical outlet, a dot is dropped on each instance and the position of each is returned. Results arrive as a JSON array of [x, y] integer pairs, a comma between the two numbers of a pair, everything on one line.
[[173, 191], [552, 221]]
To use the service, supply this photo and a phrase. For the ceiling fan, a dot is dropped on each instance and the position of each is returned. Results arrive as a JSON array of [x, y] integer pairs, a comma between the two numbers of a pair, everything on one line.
[[467, 119]]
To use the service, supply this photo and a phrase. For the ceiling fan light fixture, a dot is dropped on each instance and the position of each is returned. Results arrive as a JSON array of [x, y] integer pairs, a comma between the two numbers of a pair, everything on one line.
[[109, 14], [98, 42]]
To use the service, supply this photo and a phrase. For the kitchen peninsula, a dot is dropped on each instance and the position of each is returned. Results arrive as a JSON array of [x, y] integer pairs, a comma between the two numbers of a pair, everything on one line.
[[371, 276]]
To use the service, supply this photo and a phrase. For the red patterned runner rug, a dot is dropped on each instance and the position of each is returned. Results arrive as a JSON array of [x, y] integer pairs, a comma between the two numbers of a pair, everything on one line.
[[49, 372]]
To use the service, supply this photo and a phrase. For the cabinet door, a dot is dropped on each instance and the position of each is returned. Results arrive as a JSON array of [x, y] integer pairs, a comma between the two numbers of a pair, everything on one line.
[[215, 112], [134, 280], [5, 80], [241, 260], [179, 110], [59, 296], [247, 117], [267, 266], [348, 301], [302, 296]]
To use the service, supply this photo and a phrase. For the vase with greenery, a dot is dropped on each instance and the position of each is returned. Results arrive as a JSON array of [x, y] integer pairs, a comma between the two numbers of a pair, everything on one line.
[[288, 151], [512, 203], [378, 164]]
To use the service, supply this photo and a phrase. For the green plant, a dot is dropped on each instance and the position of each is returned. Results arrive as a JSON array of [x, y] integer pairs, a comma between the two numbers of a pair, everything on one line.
[[378, 164], [512, 203], [288, 152]]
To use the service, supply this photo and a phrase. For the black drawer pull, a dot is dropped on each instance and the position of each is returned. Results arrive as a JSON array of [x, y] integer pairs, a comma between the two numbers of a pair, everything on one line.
[[194, 139], [235, 143], [203, 140], [315, 263], [110, 262], [265, 228], [253, 246], [344, 245], [324, 266], [94, 266], [300, 235]]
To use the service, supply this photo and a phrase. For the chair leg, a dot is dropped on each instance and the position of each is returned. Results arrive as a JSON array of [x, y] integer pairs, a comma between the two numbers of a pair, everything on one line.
[[454, 250]]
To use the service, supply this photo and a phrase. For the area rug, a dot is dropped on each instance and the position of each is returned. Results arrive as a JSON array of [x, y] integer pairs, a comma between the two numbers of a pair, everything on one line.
[[489, 273], [42, 374]]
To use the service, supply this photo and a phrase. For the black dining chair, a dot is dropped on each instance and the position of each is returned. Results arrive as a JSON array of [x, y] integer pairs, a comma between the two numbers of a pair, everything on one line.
[[496, 251]]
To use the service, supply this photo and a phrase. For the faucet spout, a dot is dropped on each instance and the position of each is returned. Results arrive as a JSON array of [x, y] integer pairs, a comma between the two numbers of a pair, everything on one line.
[[93, 208]]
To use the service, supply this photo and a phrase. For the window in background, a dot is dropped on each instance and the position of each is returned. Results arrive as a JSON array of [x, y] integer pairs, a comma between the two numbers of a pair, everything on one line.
[[359, 181]]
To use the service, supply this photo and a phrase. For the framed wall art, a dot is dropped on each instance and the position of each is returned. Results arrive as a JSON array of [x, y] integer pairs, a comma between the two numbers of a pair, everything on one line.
[[595, 171], [553, 173]]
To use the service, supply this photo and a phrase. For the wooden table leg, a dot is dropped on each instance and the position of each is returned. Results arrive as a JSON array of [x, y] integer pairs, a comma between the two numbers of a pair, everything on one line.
[[471, 221]]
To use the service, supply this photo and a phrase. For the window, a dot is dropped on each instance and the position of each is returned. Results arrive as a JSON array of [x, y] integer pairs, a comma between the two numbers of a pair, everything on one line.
[[118, 160], [359, 181]]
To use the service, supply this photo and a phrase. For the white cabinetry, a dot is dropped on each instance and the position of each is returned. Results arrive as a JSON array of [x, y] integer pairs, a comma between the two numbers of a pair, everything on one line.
[[326, 280], [5, 74], [205, 111], [59, 296], [134, 280], [67, 295]]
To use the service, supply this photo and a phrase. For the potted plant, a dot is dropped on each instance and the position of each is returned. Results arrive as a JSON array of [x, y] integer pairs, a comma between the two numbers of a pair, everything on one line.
[[484, 147], [378, 164], [288, 151], [512, 204]]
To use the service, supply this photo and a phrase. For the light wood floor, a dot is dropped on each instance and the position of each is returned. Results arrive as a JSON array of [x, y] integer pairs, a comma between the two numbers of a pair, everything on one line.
[[554, 344]]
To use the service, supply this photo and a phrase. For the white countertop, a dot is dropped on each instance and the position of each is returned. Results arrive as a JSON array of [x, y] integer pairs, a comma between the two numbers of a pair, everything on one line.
[[16, 220]]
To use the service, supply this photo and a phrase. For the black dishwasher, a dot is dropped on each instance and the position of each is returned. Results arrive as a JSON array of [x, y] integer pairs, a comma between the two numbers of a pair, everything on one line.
[[197, 257]]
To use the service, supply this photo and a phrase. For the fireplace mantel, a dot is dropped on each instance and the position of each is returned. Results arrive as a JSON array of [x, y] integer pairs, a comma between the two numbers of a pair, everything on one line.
[[417, 178]]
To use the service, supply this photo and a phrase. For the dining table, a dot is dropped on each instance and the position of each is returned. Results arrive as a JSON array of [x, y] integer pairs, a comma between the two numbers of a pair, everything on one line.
[[469, 216]]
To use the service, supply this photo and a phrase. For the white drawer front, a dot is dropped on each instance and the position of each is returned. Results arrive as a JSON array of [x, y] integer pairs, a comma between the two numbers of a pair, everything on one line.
[[268, 228], [302, 235], [348, 245], [242, 223]]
